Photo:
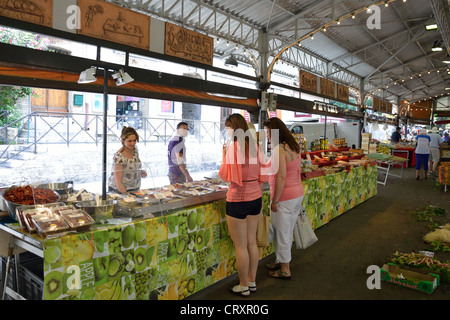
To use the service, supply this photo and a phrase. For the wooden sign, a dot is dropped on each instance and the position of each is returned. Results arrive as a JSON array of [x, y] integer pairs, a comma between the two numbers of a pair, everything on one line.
[[107, 21], [36, 11], [327, 87], [387, 107], [376, 104], [187, 44], [342, 92], [308, 81]]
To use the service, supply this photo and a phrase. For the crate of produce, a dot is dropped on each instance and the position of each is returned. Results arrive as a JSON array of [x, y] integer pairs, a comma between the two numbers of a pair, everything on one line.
[[407, 278]]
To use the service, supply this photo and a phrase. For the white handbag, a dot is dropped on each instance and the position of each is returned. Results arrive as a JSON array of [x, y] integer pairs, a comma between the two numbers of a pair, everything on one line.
[[303, 233]]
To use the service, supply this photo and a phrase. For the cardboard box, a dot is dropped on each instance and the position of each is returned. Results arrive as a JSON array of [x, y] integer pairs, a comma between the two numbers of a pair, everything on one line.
[[407, 278]]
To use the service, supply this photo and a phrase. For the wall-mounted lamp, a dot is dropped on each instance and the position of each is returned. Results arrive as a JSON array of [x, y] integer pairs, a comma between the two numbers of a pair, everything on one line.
[[88, 75], [122, 77]]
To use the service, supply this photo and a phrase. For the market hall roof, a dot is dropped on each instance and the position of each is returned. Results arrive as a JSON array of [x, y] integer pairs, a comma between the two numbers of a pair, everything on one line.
[[394, 56]]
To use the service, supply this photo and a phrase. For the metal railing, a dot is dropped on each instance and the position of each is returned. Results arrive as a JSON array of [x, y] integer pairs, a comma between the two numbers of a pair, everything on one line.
[[74, 128]]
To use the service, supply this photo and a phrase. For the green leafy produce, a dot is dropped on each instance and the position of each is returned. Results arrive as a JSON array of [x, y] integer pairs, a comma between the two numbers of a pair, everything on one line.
[[427, 213], [417, 260]]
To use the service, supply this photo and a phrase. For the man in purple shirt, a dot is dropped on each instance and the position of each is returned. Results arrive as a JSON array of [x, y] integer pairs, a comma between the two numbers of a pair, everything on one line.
[[177, 155]]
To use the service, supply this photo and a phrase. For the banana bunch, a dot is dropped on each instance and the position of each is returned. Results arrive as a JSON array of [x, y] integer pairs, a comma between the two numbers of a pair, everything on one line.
[[178, 269], [384, 149], [184, 267], [116, 289]]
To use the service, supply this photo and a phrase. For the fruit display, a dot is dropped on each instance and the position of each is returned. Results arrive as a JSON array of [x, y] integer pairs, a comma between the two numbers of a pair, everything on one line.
[[444, 173], [384, 148]]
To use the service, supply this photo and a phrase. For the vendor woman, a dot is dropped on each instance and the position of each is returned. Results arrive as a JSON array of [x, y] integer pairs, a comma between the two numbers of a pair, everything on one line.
[[127, 167]]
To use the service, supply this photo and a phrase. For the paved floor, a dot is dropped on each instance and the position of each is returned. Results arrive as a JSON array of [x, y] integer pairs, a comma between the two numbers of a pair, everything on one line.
[[335, 268]]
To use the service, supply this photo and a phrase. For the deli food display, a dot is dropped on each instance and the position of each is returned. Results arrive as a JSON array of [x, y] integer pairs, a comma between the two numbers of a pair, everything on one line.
[[167, 242]]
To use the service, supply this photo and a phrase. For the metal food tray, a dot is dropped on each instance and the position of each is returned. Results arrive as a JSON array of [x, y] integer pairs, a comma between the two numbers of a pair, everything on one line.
[[163, 207]]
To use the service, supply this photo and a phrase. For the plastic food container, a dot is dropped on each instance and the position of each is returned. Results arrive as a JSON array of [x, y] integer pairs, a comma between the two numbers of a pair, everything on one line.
[[49, 224], [99, 210], [27, 218], [77, 219]]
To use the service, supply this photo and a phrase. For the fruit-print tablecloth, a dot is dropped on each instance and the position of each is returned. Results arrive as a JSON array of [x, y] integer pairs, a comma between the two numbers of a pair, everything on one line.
[[176, 255]]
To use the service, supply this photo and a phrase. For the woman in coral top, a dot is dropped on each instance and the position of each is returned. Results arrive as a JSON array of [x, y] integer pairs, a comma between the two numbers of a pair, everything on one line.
[[286, 192], [241, 167]]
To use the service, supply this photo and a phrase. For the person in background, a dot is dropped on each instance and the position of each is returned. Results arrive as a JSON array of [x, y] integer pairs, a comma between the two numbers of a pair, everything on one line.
[[286, 191], [241, 166], [176, 153], [422, 153], [435, 149], [127, 167], [446, 136], [396, 136]]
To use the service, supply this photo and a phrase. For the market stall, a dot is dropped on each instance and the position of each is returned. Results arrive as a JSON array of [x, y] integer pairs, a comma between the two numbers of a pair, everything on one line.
[[407, 153], [171, 249], [385, 164]]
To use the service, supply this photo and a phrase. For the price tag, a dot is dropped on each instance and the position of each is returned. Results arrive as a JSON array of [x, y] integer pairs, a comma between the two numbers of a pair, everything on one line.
[[86, 197]]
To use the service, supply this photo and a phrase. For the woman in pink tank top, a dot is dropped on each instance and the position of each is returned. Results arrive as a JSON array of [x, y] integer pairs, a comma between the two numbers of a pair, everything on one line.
[[286, 191], [241, 166]]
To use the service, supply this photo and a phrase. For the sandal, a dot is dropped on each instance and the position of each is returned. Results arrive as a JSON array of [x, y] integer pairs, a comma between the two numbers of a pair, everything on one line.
[[278, 274], [273, 266], [237, 289]]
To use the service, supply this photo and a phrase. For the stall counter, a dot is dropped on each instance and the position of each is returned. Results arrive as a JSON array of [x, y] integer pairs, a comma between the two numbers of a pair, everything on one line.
[[178, 254]]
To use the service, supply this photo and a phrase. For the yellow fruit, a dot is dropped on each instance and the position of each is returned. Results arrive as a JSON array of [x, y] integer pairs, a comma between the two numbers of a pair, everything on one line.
[[105, 294], [85, 250]]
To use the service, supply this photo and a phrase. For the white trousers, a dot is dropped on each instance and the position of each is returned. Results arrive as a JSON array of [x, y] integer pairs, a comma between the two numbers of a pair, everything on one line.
[[283, 222]]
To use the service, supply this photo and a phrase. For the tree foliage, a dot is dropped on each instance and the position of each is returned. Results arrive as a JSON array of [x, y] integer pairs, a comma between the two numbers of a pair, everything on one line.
[[10, 95]]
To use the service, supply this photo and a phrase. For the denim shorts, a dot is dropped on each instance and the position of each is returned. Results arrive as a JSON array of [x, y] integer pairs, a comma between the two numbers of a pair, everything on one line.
[[240, 210]]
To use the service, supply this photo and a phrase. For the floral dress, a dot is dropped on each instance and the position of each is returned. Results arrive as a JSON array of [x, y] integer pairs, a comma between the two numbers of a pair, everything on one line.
[[131, 178]]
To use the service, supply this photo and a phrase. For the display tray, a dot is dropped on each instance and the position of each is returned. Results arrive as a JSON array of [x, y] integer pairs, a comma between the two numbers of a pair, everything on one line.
[[162, 207]]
